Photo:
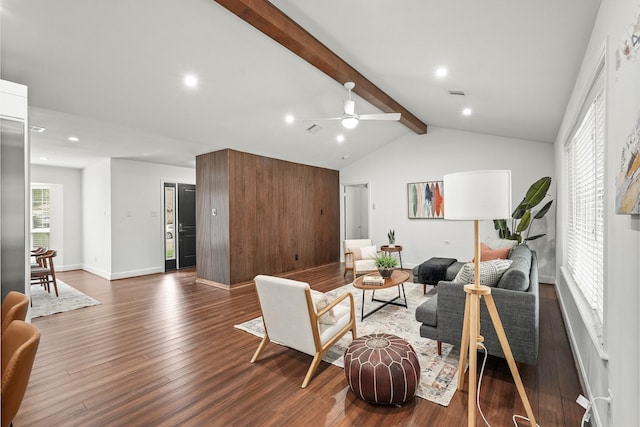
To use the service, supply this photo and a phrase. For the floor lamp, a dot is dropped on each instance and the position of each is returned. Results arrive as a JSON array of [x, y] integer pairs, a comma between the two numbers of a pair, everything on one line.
[[480, 195]]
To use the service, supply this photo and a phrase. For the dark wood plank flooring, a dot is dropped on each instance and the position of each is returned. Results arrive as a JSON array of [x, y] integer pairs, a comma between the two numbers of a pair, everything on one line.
[[161, 350]]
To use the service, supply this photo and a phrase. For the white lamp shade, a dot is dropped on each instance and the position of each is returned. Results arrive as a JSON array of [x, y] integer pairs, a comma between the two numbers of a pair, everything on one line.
[[484, 194]]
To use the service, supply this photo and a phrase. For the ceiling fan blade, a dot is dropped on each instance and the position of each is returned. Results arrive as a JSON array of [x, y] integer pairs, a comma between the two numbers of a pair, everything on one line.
[[349, 107], [383, 116], [324, 118]]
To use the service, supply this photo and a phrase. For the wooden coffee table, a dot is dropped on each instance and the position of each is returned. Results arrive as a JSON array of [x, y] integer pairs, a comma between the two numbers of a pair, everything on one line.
[[398, 277]]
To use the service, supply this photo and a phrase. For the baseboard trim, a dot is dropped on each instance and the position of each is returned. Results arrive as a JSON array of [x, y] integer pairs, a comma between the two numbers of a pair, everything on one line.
[[135, 273], [122, 275], [70, 267], [223, 285], [97, 271]]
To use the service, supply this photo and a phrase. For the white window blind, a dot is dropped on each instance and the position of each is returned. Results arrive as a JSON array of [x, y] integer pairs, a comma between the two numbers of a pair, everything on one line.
[[40, 217], [586, 203]]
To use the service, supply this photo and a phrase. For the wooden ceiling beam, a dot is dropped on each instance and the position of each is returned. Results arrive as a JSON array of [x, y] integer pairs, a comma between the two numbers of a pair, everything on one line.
[[271, 21]]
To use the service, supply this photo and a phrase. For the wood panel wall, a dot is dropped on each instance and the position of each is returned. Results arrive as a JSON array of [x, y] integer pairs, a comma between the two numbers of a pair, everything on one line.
[[273, 216]]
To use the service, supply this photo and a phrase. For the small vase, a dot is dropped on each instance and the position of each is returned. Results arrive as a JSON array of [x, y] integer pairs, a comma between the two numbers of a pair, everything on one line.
[[385, 272], [392, 245]]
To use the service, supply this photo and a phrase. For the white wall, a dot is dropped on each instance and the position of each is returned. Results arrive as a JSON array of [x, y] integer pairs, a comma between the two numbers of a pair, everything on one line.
[[96, 218], [136, 215], [429, 157], [622, 232], [68, 184]]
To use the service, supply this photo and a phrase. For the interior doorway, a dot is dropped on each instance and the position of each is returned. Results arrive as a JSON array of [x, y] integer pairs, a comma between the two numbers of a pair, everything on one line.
[[356, 211], [179, 226]]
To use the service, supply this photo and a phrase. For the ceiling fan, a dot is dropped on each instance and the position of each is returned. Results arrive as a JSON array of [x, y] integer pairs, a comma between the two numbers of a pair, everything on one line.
[[350, 118]]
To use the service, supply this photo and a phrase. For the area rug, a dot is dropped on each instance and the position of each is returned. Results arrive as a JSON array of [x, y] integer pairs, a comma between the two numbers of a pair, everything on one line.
[[45, 304], [438, 377]]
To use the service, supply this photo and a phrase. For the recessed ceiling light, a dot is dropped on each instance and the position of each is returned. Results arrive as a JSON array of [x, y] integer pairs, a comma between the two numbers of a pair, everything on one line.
[[190, 80], [441, 72], [340, 138], [73, 138], [289, 118], [44, 158], [467, 112], [36, 129]]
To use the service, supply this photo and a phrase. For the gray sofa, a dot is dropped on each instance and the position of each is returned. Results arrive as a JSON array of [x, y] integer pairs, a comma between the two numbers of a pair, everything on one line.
[[517, 299]]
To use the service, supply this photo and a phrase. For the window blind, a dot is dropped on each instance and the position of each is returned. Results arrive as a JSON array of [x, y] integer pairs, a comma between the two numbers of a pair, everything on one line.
[[40, 217], [586, 204]]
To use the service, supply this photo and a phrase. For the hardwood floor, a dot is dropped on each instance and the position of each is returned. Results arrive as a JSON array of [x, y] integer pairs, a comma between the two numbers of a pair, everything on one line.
[[161, 350]]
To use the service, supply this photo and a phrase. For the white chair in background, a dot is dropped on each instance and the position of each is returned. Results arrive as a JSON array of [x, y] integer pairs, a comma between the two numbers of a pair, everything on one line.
[[359, 256]]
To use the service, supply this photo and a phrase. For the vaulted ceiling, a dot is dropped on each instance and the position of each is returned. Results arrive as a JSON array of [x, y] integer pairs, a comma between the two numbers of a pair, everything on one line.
[[111, 74]]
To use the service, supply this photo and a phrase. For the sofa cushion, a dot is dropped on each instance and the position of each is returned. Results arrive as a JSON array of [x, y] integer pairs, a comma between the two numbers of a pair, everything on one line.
[[427, 312], [517, 277], [490, 272]]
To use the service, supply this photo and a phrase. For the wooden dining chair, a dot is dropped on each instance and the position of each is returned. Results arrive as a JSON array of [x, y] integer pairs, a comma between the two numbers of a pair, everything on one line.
[[45, 273]]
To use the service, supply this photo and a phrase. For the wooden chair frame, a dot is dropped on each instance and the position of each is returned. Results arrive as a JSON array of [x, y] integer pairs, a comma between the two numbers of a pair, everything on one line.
[[314, 319], [45, 273]]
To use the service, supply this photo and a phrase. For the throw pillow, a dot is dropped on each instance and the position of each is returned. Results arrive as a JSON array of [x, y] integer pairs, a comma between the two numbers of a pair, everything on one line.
[[320, 301], [487, 253], [490, 272], [369, 252], [365, 252], [496, 243]]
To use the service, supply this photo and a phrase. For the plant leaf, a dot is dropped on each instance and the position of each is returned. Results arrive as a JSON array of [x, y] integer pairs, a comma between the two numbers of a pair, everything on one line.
[[542, 212], [537, 236], [537, 191], [520, 210], [524, 222], [500, 224]]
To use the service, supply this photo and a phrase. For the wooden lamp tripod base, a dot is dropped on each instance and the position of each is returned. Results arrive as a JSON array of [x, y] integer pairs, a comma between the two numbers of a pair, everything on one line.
[[471, 337]]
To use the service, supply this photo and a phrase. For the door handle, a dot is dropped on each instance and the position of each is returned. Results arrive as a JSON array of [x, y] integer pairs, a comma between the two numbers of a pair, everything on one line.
[[180, 227]]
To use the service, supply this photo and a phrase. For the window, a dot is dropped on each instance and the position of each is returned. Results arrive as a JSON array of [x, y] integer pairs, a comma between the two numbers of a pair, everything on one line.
[[585, 155], [40, 217]]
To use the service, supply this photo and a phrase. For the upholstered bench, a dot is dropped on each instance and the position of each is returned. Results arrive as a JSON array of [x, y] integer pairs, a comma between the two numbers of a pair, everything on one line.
[[434, 270], [382, 369]]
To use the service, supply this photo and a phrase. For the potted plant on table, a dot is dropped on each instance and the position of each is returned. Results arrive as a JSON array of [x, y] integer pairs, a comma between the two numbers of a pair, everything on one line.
[[392, 238], [386, 264]]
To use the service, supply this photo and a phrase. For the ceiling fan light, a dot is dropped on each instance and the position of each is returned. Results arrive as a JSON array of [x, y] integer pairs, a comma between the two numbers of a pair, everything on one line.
[[349, 122]]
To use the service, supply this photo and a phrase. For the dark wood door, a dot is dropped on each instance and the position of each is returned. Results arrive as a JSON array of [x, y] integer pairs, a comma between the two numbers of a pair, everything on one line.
[[186, 225]]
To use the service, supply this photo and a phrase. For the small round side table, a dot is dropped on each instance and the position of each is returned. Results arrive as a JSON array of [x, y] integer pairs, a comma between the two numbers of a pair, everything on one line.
[[388, 249]]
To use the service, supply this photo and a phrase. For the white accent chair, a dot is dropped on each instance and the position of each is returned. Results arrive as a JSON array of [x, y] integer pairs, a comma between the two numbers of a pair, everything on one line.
[[358, 256], [290, 318]]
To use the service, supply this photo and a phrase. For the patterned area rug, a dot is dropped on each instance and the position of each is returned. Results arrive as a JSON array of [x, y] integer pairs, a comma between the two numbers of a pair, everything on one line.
[[45, 303], [438, 377]]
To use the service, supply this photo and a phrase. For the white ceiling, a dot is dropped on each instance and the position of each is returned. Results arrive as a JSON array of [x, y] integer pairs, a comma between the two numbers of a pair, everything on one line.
[[110, 73]]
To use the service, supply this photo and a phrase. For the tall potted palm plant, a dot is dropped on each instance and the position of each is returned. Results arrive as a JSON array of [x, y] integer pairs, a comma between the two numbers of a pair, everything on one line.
[[522, 217]]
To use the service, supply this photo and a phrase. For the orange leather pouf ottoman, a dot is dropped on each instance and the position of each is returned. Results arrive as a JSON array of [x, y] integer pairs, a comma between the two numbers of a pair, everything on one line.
[[382, 369]]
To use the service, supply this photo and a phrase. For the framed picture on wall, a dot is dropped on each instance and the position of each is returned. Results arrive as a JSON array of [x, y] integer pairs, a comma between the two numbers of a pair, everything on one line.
[[425, 200]]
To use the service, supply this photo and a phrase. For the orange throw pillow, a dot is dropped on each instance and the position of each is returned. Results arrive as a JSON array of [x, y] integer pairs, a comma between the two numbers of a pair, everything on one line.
[[487, 254]]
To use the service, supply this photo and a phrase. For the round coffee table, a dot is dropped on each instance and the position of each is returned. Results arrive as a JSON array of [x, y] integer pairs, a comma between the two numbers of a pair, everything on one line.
[[398, 277], [382, 369]]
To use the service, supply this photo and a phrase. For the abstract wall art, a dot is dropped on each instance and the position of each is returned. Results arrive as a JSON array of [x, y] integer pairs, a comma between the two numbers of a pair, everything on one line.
[[425, 200], [625, 115]]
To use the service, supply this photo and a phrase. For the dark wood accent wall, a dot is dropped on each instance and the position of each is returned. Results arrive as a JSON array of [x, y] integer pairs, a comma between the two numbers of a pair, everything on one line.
[[272, 216]]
